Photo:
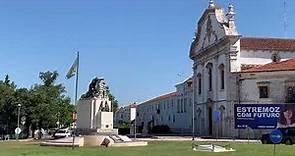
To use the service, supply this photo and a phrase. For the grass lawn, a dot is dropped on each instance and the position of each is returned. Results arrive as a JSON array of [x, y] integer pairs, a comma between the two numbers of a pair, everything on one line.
[[154, 149]]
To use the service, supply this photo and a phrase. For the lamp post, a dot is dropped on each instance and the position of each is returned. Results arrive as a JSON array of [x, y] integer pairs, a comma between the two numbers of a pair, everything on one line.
[[57, 123], [18, 116], [193, 113], [133, 114]]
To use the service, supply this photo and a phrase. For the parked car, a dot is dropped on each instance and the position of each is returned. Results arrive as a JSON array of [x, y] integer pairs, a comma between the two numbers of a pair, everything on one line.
[[265, 139], [288, 136], [62, 133]]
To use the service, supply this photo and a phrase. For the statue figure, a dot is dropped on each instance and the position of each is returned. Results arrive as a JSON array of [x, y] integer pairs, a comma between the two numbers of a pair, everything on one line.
[[96, 88], [101, 106], [106, 107]]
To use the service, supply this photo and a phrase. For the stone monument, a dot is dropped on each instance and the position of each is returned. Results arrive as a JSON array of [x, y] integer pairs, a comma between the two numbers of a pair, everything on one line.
[[95, 121], [94, 109]]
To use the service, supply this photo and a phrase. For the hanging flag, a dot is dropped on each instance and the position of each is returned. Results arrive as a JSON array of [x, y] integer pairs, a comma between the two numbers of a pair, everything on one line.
[[132, 114], [73, 70]]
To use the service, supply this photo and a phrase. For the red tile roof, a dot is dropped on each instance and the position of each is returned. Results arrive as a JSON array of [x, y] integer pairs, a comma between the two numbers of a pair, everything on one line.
[[162, 97], [249, 66], [288, 65], [132, 106], [273, 44]]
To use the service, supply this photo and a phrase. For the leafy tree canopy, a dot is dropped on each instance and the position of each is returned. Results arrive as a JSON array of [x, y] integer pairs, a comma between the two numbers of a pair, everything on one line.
[[43, 105]]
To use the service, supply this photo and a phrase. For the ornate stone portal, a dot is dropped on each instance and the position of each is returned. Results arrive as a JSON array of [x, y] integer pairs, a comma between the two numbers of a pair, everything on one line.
[[95, 109]]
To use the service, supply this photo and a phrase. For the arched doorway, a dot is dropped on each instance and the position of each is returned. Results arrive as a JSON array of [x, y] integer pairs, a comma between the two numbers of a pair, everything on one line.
[[210, 121], [210, 116], [221, 122], [199, 122], [151, 125]]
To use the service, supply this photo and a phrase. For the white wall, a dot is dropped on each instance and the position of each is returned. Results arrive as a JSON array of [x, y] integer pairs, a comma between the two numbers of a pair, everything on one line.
[[122, 115], [262, 57], [276, 83], [169, 108]]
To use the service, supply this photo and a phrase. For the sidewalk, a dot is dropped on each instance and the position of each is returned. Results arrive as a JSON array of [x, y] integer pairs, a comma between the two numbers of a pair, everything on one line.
[[187, 138], [20, 140]]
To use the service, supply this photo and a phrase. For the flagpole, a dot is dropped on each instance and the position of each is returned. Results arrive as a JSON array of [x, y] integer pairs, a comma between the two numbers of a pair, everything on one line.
[[76, 98]]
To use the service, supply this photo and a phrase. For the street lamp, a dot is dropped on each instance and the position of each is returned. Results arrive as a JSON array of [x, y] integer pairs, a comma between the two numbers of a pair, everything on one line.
[[193, 113], [57, 123], [18, 116], [133, 117]]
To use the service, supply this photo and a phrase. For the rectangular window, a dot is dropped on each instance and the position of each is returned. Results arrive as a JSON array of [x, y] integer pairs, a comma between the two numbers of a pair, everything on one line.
[[222, 79], [185, 102], [210, 79], [178, 105], [290, 94], [263, 91], [200, 86], [181, 111], [174, 119]]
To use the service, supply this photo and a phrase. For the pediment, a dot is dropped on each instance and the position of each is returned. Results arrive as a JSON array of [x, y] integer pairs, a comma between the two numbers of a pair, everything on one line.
[[212, 27]]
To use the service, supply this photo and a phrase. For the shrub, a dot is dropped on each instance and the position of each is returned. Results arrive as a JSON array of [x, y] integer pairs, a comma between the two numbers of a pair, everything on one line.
[[160, 129]]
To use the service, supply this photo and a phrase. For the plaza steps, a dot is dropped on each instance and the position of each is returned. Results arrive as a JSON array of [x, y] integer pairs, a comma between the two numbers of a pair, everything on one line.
[[94, 141], [64, 142]]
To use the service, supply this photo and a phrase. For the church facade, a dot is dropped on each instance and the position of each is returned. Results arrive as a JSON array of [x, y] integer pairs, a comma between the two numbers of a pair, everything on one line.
[[230, 69]]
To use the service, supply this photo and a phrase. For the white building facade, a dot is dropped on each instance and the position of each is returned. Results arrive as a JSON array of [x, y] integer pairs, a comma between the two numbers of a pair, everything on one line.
[[173, 110], [222, 60], [122, 115]]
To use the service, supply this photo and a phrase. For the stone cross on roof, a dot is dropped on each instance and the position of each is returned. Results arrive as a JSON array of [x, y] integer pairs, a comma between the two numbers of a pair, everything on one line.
[[231, 13], [211, 4]]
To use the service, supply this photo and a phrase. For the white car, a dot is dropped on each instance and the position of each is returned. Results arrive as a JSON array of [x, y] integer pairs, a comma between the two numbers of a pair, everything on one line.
[[62, 133]]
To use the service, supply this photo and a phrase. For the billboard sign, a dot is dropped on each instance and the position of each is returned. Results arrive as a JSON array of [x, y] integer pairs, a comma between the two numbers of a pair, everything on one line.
[[264, 116]]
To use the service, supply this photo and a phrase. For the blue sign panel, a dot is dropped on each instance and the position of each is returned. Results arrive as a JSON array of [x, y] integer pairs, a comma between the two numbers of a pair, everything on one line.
[[264, 116], [216, 116], [276, 136], [257, 116]]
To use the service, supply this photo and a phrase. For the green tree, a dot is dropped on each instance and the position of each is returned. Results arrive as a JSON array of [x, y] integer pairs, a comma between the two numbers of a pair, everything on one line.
[[113, 99], [42, 105], [8, 106], [50, 102], [24, 97]]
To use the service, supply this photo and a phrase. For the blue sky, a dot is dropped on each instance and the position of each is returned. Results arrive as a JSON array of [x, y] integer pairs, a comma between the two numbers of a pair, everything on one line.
[[138, 46]]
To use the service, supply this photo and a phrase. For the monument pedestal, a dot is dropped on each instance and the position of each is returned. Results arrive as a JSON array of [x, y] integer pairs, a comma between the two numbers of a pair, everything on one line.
[[91, 120], [91, 116], [104, 120]]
